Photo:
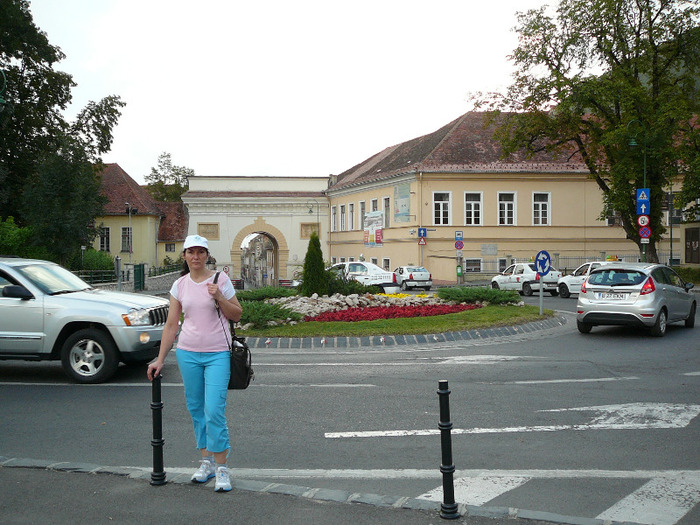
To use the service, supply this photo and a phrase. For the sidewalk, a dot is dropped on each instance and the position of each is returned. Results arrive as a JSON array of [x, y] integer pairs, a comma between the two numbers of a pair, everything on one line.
[[75, 495]]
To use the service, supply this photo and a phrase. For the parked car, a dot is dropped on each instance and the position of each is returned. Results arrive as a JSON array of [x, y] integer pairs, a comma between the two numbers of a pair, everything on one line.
[[48, 313], [523, 278], [646, 295], [571, 284], [413, 277], [368, 274]]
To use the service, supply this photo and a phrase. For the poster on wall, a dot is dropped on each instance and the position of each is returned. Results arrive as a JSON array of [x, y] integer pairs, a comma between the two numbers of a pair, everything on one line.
[[402, 203], [373, 228]]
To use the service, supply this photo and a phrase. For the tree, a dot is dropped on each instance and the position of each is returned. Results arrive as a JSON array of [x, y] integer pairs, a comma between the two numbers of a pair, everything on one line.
[[600, 73], [315, 278], [40, 151], [168, 182]]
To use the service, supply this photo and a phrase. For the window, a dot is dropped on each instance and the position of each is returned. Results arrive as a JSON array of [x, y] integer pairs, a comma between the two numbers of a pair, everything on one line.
[[692, 245], [502, 263], [363, 211], [472, 209], [104, 239], [342, 217], [472, 265], [351, 216], [334, 219], [374, 260], [387, 211], [441, 208], [170, 247], [126, 239], [386, 264], [375, 204], [540, 209], [506, 209]]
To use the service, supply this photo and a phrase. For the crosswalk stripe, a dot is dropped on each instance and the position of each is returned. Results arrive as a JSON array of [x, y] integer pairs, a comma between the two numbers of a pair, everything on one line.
[[479, 489], [658, 502]]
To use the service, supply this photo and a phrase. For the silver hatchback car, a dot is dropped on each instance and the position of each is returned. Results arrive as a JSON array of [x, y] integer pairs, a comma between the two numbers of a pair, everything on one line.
[[647, 295]]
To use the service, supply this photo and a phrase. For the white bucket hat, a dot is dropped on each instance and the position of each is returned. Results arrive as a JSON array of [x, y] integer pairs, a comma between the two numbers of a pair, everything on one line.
[[195, 240]]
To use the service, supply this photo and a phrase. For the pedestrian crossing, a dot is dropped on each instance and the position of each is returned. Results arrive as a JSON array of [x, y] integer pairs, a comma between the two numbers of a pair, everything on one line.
[[664, 497]]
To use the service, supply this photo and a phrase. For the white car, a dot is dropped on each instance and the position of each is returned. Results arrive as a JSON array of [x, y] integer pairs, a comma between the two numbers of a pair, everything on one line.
[[368, 274], [523, 278], [413, 277], [569, 284]]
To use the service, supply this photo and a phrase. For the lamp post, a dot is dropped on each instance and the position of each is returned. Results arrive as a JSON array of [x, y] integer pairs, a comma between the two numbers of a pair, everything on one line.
[[310, 204], [128, 210], [632, 142]]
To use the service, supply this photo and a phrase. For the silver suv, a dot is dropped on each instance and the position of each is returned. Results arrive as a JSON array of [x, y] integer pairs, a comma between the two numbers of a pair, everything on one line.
[[47, 313], [635, 294]]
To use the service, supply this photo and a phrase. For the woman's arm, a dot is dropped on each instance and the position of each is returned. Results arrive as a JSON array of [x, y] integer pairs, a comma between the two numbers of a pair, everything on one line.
[[167, 338]]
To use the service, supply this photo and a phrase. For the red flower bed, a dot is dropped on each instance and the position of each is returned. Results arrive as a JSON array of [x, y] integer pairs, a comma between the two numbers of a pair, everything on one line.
[[391, 312]]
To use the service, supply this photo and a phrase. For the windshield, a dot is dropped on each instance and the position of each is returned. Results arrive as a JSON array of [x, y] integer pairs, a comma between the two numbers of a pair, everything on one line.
[[52, 278], [618, 277]]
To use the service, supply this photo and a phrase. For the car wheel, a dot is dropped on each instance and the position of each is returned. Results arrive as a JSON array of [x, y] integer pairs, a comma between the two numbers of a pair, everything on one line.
[[584, 328], [690, 321], [494, 285], [426, 288], [403, 286], [564, 291], [89, 356], [527, 289], [659, 328], [554, 293]]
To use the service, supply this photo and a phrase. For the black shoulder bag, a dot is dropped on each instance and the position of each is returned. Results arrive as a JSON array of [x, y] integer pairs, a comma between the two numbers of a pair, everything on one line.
[[241, 361]]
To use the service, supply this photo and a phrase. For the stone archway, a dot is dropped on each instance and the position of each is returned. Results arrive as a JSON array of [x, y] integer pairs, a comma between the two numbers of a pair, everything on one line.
[[261, 227]]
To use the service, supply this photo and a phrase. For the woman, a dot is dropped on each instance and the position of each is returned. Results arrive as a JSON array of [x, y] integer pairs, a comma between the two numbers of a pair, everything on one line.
[[202, 355]]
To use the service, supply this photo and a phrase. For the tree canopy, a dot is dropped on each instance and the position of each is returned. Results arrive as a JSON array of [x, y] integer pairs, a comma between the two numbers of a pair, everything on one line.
[[38, 145], [168, 182], [598, 74]]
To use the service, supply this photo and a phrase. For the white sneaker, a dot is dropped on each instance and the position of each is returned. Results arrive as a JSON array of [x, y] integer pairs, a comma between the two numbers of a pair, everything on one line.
[[223, 482], [205, 472]]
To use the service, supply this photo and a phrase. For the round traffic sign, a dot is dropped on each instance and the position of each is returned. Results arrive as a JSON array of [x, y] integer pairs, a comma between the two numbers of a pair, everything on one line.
[[645, 232], [459, 245], [643, 220], [543, 263]]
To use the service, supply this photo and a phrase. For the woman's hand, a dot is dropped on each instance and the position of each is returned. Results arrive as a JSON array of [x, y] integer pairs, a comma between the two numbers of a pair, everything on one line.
[[215, 292], [154, 369]]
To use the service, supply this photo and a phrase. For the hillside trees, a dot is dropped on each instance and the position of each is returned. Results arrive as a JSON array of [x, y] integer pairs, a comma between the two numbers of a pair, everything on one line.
[[598, 74]]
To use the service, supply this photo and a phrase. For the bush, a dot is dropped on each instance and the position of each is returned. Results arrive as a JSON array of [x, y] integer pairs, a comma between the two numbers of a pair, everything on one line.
[[267, 292], [336, 284], [690, 275], [314, 277], [260, 313], [92, 259], [472, 294]]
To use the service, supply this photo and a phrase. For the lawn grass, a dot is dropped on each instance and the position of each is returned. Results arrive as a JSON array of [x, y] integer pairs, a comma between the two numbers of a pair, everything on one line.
[[486, 317]]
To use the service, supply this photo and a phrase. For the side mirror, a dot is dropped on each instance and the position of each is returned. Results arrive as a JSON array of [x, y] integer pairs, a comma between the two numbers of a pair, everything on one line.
[[689, 286], [17, 292]]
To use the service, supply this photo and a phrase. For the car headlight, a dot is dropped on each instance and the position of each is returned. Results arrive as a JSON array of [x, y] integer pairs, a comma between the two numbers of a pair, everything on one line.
[[137, 318]]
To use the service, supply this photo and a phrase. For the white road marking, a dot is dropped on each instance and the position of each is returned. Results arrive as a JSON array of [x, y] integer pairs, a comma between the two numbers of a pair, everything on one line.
[[556, 381], [478, 490], [631, 416], [658, 502]]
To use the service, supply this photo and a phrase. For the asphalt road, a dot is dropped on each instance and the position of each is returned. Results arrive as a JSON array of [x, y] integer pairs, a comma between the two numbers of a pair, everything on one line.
[[598, 426]]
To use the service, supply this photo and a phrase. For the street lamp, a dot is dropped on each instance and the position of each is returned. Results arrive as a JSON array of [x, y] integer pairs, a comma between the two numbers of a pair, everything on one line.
[[128, 210], [310, 204], [632, 142]]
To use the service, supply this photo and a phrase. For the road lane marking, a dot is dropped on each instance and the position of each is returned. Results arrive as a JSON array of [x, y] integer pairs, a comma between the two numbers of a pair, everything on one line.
[[658, 502], [630, 416], [479, 489], [556, 381]]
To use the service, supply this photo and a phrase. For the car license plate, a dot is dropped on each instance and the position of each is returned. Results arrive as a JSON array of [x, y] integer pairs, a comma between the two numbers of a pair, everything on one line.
[[612, 296]]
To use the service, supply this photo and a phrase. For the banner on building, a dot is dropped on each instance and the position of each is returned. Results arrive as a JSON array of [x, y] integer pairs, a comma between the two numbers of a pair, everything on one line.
[[374, 222]]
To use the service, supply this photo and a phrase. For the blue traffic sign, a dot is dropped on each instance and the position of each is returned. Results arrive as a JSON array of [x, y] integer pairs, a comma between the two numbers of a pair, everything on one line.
[[422, 232], [643, 198], [543, 263]]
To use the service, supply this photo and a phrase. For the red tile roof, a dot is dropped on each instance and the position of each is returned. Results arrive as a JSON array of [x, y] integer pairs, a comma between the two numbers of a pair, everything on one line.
[[464, 145], [120, 188]]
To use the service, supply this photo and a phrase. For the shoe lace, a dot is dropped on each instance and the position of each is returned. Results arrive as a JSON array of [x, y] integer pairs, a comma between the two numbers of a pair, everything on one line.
[[222, 474]]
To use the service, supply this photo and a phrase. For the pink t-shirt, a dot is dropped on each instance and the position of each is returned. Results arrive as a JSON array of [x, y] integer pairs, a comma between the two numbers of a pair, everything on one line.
[[202, 330]]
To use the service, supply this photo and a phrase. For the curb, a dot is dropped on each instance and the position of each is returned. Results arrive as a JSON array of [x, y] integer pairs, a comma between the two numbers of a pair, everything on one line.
[[337, 496]]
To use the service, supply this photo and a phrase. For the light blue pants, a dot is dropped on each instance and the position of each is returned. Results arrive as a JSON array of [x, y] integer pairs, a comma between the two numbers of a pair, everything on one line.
[[206, 375]]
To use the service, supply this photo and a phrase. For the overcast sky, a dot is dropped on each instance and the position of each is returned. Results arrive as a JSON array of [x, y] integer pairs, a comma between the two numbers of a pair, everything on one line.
[[278, 87]]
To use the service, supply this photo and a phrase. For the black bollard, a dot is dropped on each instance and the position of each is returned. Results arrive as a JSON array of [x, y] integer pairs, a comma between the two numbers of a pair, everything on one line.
[[158, 474], [448, 508]]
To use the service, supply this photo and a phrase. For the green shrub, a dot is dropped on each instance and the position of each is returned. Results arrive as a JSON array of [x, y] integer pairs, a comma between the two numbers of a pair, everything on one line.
[[690, 275], [336, 284], [472, 294], [260, 313], [92, 259], [267, 292], [314, 277]]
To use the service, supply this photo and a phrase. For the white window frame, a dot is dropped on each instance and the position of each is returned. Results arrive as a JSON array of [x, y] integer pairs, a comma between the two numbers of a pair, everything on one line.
[[386, 203], [334, 219], [538, 204], [374, 205], [386, 264], [474, 261], [363, 212], [513, 203], [342, 217], [351, 216], [448, 205], [104, 239], [480, 204]]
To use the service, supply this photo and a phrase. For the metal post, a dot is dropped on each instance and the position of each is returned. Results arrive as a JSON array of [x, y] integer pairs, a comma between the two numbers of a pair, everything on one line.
[[158, 474], [448, 508]]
